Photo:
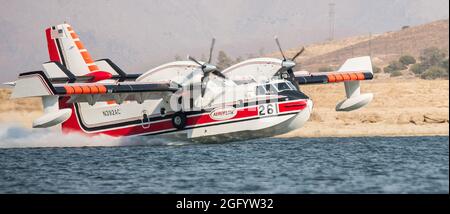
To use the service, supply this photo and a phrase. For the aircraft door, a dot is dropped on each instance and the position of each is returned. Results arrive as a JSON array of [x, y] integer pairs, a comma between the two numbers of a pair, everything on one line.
[[145, 120]]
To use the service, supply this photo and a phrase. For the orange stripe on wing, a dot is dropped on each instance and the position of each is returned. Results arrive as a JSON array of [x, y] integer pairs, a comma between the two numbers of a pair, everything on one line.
[[339, 78], [94, 89], [86, 89], [353, 76], [346, 76], [101, 89], [360, 76], [77, 90], [69, 89], [331, 78]]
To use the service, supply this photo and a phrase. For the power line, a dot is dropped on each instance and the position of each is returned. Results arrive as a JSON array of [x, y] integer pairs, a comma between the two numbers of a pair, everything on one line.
[[331, 14]]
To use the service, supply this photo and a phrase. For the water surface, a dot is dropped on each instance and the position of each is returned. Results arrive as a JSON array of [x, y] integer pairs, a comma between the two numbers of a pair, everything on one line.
[[271, 165]]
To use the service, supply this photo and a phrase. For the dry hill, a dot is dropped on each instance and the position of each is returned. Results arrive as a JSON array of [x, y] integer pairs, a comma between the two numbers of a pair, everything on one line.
[[383, 47]]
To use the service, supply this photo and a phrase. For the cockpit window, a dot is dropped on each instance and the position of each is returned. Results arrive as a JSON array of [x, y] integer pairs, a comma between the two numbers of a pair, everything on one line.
[[291, 85], [282, 86], [274, 88], [271, 89]]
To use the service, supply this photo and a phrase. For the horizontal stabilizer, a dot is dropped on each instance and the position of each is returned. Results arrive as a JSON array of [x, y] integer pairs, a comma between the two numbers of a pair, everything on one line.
[[10, 84], [109, 66], [32, 84], [57, 71]]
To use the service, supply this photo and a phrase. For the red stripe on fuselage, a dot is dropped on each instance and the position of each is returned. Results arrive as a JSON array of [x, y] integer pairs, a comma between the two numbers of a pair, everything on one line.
[[291, 106], [202, 119], [71, 124], [167, 125], [197, 120]]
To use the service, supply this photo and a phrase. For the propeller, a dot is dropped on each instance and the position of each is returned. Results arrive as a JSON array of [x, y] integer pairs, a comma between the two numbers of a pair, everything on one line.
[[207, 68], [289, 64]]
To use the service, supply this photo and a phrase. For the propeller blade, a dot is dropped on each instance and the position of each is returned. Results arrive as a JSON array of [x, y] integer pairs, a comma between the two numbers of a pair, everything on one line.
[[194, 60], [279, 47], [298, 54], [290, 72], [292, 79], [211, 49], [204, 83]]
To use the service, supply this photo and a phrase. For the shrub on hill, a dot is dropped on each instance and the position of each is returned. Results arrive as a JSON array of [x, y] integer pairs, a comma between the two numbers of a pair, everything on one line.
[[432, 56], [394, 66], [434, 72], [418, 68], [396, 73], [407, 60], [444, 64], [433, 64]]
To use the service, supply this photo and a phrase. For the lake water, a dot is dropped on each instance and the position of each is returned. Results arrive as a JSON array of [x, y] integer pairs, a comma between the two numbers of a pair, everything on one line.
[[271, 165]]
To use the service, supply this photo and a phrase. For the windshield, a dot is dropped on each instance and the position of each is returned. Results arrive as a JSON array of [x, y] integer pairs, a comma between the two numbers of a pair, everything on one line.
[[283, 86], [291, 85], [274, 88], [271, 89]]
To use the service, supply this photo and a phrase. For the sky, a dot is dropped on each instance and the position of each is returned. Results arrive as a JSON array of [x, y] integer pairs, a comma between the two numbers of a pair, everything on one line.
[[141, 34]]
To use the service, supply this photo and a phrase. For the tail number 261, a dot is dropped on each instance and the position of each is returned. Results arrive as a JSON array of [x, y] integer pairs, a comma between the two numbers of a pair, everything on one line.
[[267, 109]]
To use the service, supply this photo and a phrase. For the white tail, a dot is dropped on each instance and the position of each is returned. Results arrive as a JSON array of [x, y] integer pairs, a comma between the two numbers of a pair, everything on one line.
[[64, 46]]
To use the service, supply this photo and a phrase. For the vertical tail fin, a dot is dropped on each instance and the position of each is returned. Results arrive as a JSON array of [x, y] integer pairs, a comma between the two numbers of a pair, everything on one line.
[[64, 46]]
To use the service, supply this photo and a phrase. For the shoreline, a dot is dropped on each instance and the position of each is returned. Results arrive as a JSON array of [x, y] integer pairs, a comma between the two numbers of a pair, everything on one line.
[[400, 108], [288, 135], [360, 136], [317, 130]]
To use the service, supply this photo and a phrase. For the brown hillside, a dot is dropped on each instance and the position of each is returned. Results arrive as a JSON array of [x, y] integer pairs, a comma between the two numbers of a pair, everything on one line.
[[383, 47]]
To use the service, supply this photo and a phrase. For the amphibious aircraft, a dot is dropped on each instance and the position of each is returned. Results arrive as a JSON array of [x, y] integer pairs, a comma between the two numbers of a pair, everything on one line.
[[188, 99]]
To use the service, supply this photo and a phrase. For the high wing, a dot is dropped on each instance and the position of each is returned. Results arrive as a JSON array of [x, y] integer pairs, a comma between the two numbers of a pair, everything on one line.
[[36, 83], [351, 73], [304, 78], [353, 70]]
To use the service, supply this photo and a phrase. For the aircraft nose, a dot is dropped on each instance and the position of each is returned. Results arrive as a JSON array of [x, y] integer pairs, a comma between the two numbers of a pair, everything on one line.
[[310, 105]]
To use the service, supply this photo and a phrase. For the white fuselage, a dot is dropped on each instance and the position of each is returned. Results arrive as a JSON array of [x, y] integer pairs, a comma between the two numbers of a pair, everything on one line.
[[247, 114]]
